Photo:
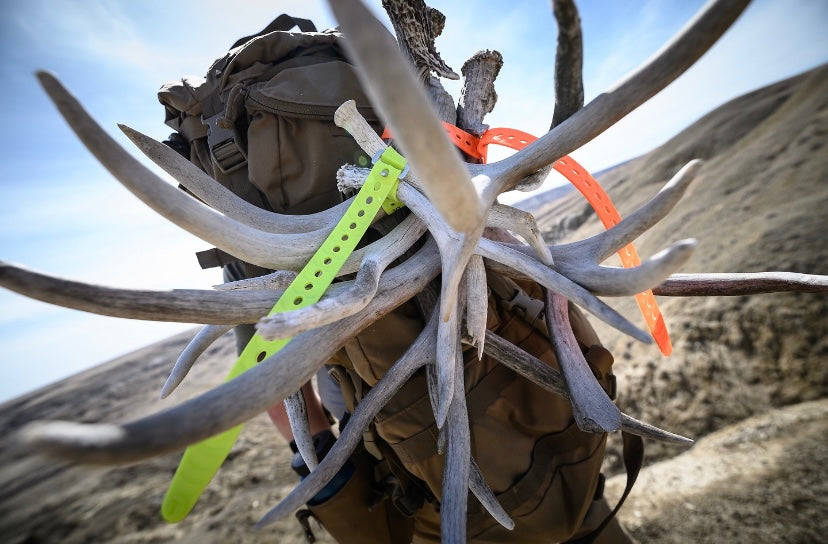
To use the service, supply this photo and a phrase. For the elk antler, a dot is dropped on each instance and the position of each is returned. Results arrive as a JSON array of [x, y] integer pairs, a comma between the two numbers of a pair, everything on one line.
[[225, 201], [393, 88], [239, 399]]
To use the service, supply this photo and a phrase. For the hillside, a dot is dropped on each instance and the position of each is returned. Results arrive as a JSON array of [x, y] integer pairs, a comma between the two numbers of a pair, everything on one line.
[[758, 204]]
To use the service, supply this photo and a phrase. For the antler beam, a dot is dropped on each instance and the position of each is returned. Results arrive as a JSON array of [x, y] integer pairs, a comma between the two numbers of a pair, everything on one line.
[[239, 399]]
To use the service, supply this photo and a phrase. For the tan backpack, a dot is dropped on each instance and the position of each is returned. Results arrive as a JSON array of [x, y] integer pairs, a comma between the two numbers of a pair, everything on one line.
[[261, 123], [545, 471]]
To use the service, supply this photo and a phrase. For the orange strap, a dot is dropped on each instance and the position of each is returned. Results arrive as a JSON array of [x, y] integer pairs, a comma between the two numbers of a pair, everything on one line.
[[467, 143], [592, 191]]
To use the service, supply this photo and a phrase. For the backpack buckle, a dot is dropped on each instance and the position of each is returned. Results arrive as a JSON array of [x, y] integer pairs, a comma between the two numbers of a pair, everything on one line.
[[531, 308], [226, 154]]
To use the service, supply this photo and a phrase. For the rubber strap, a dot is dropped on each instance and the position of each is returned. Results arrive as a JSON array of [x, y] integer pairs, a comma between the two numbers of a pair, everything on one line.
[[595, 195], [603, 206], [202, 460], [466, 142]]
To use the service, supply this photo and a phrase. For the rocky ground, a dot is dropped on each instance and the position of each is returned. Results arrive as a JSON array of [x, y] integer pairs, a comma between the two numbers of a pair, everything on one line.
[[748, 377]]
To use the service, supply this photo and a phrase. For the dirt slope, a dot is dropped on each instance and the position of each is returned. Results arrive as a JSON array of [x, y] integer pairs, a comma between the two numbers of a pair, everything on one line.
[[759, 204]]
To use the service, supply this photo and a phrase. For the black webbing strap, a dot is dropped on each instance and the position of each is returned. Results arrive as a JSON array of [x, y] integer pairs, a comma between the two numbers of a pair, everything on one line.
[[214, 257], [283, 22], [633, 459]]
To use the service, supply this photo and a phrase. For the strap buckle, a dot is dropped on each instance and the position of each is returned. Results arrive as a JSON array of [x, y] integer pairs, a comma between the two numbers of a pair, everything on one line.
[[390, 156], [226, 154], [376, 158], [531, 308]]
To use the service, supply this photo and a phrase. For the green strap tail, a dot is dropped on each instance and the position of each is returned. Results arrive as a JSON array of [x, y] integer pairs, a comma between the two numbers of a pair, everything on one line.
[[201, 461]]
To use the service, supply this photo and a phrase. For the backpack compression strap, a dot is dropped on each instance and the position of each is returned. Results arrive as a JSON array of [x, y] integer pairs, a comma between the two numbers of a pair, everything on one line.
[[202, 460], [592, 191]]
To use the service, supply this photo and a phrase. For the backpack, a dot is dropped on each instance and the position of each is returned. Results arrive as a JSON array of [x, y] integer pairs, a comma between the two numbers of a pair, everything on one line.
[[261, 123]]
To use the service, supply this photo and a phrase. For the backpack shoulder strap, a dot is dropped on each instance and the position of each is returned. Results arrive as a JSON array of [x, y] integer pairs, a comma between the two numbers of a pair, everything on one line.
[[633, 453]]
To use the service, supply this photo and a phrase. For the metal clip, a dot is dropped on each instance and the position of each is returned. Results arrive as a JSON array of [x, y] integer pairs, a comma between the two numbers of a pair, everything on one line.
[[375, 159], [226, 154], [302, 516]]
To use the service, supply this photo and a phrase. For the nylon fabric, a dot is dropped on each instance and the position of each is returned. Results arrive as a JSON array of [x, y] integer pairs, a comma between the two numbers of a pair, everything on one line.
[[523, 438], [275, 96]]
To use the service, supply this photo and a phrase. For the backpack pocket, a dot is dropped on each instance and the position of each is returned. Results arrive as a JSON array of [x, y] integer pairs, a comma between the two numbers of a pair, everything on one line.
[[293, 147], [549, 502]]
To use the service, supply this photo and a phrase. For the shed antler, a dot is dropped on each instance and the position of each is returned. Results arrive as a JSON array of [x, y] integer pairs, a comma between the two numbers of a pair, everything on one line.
[[455, 202]]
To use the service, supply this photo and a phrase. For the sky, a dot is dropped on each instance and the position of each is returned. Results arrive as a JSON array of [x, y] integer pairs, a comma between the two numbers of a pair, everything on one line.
[[62, 213]]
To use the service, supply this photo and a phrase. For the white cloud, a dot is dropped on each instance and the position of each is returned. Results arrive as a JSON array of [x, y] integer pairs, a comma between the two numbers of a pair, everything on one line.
[[99, 31]]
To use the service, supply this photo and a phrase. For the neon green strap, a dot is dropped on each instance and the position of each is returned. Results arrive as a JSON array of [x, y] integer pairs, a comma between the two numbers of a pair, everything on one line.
[[202, 460]]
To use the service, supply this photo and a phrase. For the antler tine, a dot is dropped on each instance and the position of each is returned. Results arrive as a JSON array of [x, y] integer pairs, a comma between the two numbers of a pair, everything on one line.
[[636, 88], [297, 413], [645, 430], [484, 494], [178, 305], [477, 302], [225, 201], [569, 85], [448, 332], [279, 279], [420, 353], [523, 224], [478, 96], [212, 412], [560, 284], [579, 261], [597, 248], [327, 310], [569, 60], [532, 368], [202, 340], [394, 89], [455, 490], [618, 282], [592, 408], [236, 400], [229, 235], [732, 284], [332, 308]]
